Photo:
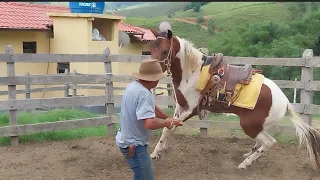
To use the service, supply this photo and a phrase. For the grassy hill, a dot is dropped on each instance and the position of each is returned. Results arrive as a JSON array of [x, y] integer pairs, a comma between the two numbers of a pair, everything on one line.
[[136, 6], [226, 15], [216, 8], [152, 9], [108, 5], [120, 5], [250, 14], [191, 32]]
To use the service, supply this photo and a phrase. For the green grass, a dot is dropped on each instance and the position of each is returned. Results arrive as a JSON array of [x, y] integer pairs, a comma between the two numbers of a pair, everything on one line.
[[53, 116], [193, 33], [98, 131], [145, 22], [152, 10], [136, 7], [216, 8], [261, 12]]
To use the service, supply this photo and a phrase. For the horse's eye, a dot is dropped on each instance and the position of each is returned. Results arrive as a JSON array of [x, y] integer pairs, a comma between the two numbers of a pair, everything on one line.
[[165, 52]]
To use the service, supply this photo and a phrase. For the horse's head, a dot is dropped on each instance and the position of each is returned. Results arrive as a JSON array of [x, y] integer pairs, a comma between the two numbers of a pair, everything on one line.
[[164, 48]]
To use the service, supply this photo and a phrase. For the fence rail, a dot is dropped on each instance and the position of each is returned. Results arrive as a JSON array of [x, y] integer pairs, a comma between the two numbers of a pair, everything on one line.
[[74, 81], [40, 58]]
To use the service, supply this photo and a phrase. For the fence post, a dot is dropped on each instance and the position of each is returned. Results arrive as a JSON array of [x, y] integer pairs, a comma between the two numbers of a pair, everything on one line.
[[74, 89], [28, 92], [14, 140], [109, 93], [203, 132], [295, 93], [306, 78], [66, 91]]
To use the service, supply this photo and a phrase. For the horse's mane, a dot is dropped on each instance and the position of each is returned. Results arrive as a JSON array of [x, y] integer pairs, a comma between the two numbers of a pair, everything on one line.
[[192, 56]]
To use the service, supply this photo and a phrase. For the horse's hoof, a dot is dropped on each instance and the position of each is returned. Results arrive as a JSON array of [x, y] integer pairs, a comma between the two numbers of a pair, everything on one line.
[[155, 156], [242, 166]]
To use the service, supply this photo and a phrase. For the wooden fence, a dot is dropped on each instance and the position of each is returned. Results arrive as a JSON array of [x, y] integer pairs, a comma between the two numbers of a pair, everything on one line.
[[74, 80]]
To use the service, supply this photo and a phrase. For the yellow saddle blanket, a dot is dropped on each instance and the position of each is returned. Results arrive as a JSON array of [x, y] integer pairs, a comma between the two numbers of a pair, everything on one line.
[[248, 96]]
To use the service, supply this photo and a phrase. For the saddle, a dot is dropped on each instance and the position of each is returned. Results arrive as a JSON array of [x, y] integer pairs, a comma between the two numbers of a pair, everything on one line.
[[228, 76], [237, 75]]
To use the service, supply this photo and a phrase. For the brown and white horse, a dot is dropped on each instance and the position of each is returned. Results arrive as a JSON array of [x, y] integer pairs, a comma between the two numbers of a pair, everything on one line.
[[184, 62]]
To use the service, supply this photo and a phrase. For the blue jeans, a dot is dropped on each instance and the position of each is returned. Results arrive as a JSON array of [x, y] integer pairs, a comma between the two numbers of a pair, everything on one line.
[[140, 163]]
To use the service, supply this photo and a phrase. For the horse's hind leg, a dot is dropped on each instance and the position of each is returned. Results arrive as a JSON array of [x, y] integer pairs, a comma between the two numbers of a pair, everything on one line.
[[255, 147], [266, 142]]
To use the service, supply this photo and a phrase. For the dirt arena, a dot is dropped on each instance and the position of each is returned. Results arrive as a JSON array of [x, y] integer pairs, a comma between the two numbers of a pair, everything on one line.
[[192, 158]]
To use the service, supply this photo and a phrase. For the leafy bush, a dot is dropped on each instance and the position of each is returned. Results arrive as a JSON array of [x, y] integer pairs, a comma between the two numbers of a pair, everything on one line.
[[211, 26], [200, 19], [196, 8]]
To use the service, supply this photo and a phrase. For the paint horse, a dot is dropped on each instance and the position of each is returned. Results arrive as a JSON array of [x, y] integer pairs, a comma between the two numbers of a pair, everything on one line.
[[183, 62]]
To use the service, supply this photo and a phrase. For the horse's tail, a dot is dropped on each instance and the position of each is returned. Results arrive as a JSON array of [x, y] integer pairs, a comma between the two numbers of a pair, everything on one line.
[[307, 135]]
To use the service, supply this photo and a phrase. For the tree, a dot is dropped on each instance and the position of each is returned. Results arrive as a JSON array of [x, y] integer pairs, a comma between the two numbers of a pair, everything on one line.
[[200, 19], [196, 7]]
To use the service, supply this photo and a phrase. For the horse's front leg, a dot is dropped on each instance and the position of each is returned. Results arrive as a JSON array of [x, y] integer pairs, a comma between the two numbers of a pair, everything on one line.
[[162, 143], [166, 133]]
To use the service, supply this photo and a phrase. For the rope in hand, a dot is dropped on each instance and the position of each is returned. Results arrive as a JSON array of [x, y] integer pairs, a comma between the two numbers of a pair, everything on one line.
[[167, 63]]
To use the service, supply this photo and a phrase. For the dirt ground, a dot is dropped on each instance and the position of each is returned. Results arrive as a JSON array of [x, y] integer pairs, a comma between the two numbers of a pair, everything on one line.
[[189, 158]]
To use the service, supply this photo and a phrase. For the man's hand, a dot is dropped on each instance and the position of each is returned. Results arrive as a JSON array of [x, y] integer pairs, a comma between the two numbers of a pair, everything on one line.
[[155, 123], [174, 122]]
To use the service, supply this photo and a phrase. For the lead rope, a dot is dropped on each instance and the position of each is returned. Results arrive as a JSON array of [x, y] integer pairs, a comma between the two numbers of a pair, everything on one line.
[[167, 62]]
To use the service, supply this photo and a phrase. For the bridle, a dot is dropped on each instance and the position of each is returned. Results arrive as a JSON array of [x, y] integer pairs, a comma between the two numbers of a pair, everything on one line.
[[167, 63]]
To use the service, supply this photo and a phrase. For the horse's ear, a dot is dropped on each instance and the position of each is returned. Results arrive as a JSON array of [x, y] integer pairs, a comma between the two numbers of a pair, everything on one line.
[[154, 32], [169, 34]]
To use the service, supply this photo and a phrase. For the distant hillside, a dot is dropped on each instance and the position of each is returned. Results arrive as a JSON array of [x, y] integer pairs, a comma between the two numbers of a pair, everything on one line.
[[152, 10], [216, 8], [108, 6], [226, 15], [191, 32], [121, 5]]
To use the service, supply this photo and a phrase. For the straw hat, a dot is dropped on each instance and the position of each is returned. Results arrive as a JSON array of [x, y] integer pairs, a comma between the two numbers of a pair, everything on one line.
[[150, 70]]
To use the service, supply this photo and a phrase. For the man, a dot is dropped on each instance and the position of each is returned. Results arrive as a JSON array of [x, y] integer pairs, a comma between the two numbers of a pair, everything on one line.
[[139, 116]]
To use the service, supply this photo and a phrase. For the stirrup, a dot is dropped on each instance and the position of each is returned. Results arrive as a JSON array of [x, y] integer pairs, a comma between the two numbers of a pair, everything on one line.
[[228, 99], [227, 104], [228, 96]]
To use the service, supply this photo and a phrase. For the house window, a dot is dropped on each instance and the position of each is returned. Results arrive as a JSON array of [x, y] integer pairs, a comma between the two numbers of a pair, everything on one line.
[[102, 29], [146, 53], [62, 67], [29, 47]]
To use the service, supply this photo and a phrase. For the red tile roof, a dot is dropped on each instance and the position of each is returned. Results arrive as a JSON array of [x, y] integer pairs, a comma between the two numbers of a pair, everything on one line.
[[27, 16], [138, 31], [19, 15], [129, 28], [148, 35]]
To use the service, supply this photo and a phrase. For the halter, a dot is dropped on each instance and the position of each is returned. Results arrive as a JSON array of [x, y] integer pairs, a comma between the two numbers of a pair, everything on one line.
[[167, 62]]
